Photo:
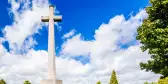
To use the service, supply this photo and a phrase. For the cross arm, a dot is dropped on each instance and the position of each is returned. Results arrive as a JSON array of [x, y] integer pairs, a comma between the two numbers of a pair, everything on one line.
[[56, 18]]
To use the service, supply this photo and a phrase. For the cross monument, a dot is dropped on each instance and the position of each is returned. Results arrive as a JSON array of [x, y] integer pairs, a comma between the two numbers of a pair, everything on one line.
[[51, 47]]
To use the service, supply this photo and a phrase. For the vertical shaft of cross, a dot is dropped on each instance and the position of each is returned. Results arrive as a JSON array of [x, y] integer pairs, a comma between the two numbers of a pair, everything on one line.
[[51, 46]]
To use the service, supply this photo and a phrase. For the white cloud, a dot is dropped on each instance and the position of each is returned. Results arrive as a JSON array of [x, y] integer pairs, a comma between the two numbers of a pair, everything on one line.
[[71, 33], [76, 46], [27, 21], [3, 51], [2, 40], [105, 55], [33, 67]]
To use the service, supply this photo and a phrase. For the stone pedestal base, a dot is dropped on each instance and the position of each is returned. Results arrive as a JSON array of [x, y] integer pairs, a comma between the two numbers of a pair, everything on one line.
[[50, 81]]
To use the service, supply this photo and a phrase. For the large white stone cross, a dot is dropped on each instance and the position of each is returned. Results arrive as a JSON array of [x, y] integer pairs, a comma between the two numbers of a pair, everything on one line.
[[51, 47]]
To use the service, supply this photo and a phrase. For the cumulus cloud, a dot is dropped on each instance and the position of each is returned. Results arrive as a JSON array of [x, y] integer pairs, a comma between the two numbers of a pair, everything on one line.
[[69, 34], [76, 46], [105, 54], [16, 68], [26, 21]]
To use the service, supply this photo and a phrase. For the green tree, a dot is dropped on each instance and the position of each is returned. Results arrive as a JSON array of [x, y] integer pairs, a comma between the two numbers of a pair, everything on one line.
[[146, 83], [153, 35], [113, 79], [163, 81], [27, 82], [2, 81], [98, 82], [150, 83]]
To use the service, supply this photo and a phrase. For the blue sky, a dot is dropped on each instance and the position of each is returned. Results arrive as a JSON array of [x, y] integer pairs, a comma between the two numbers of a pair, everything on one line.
[[82, 15], [85, 16], [104, 39]]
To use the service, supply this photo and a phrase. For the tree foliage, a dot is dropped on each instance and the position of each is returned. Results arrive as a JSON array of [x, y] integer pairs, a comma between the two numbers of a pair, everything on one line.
[[150, 83], [98, 82], [163, 81], [113, 79], [27, 82], [2, 81], [153, 35]]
